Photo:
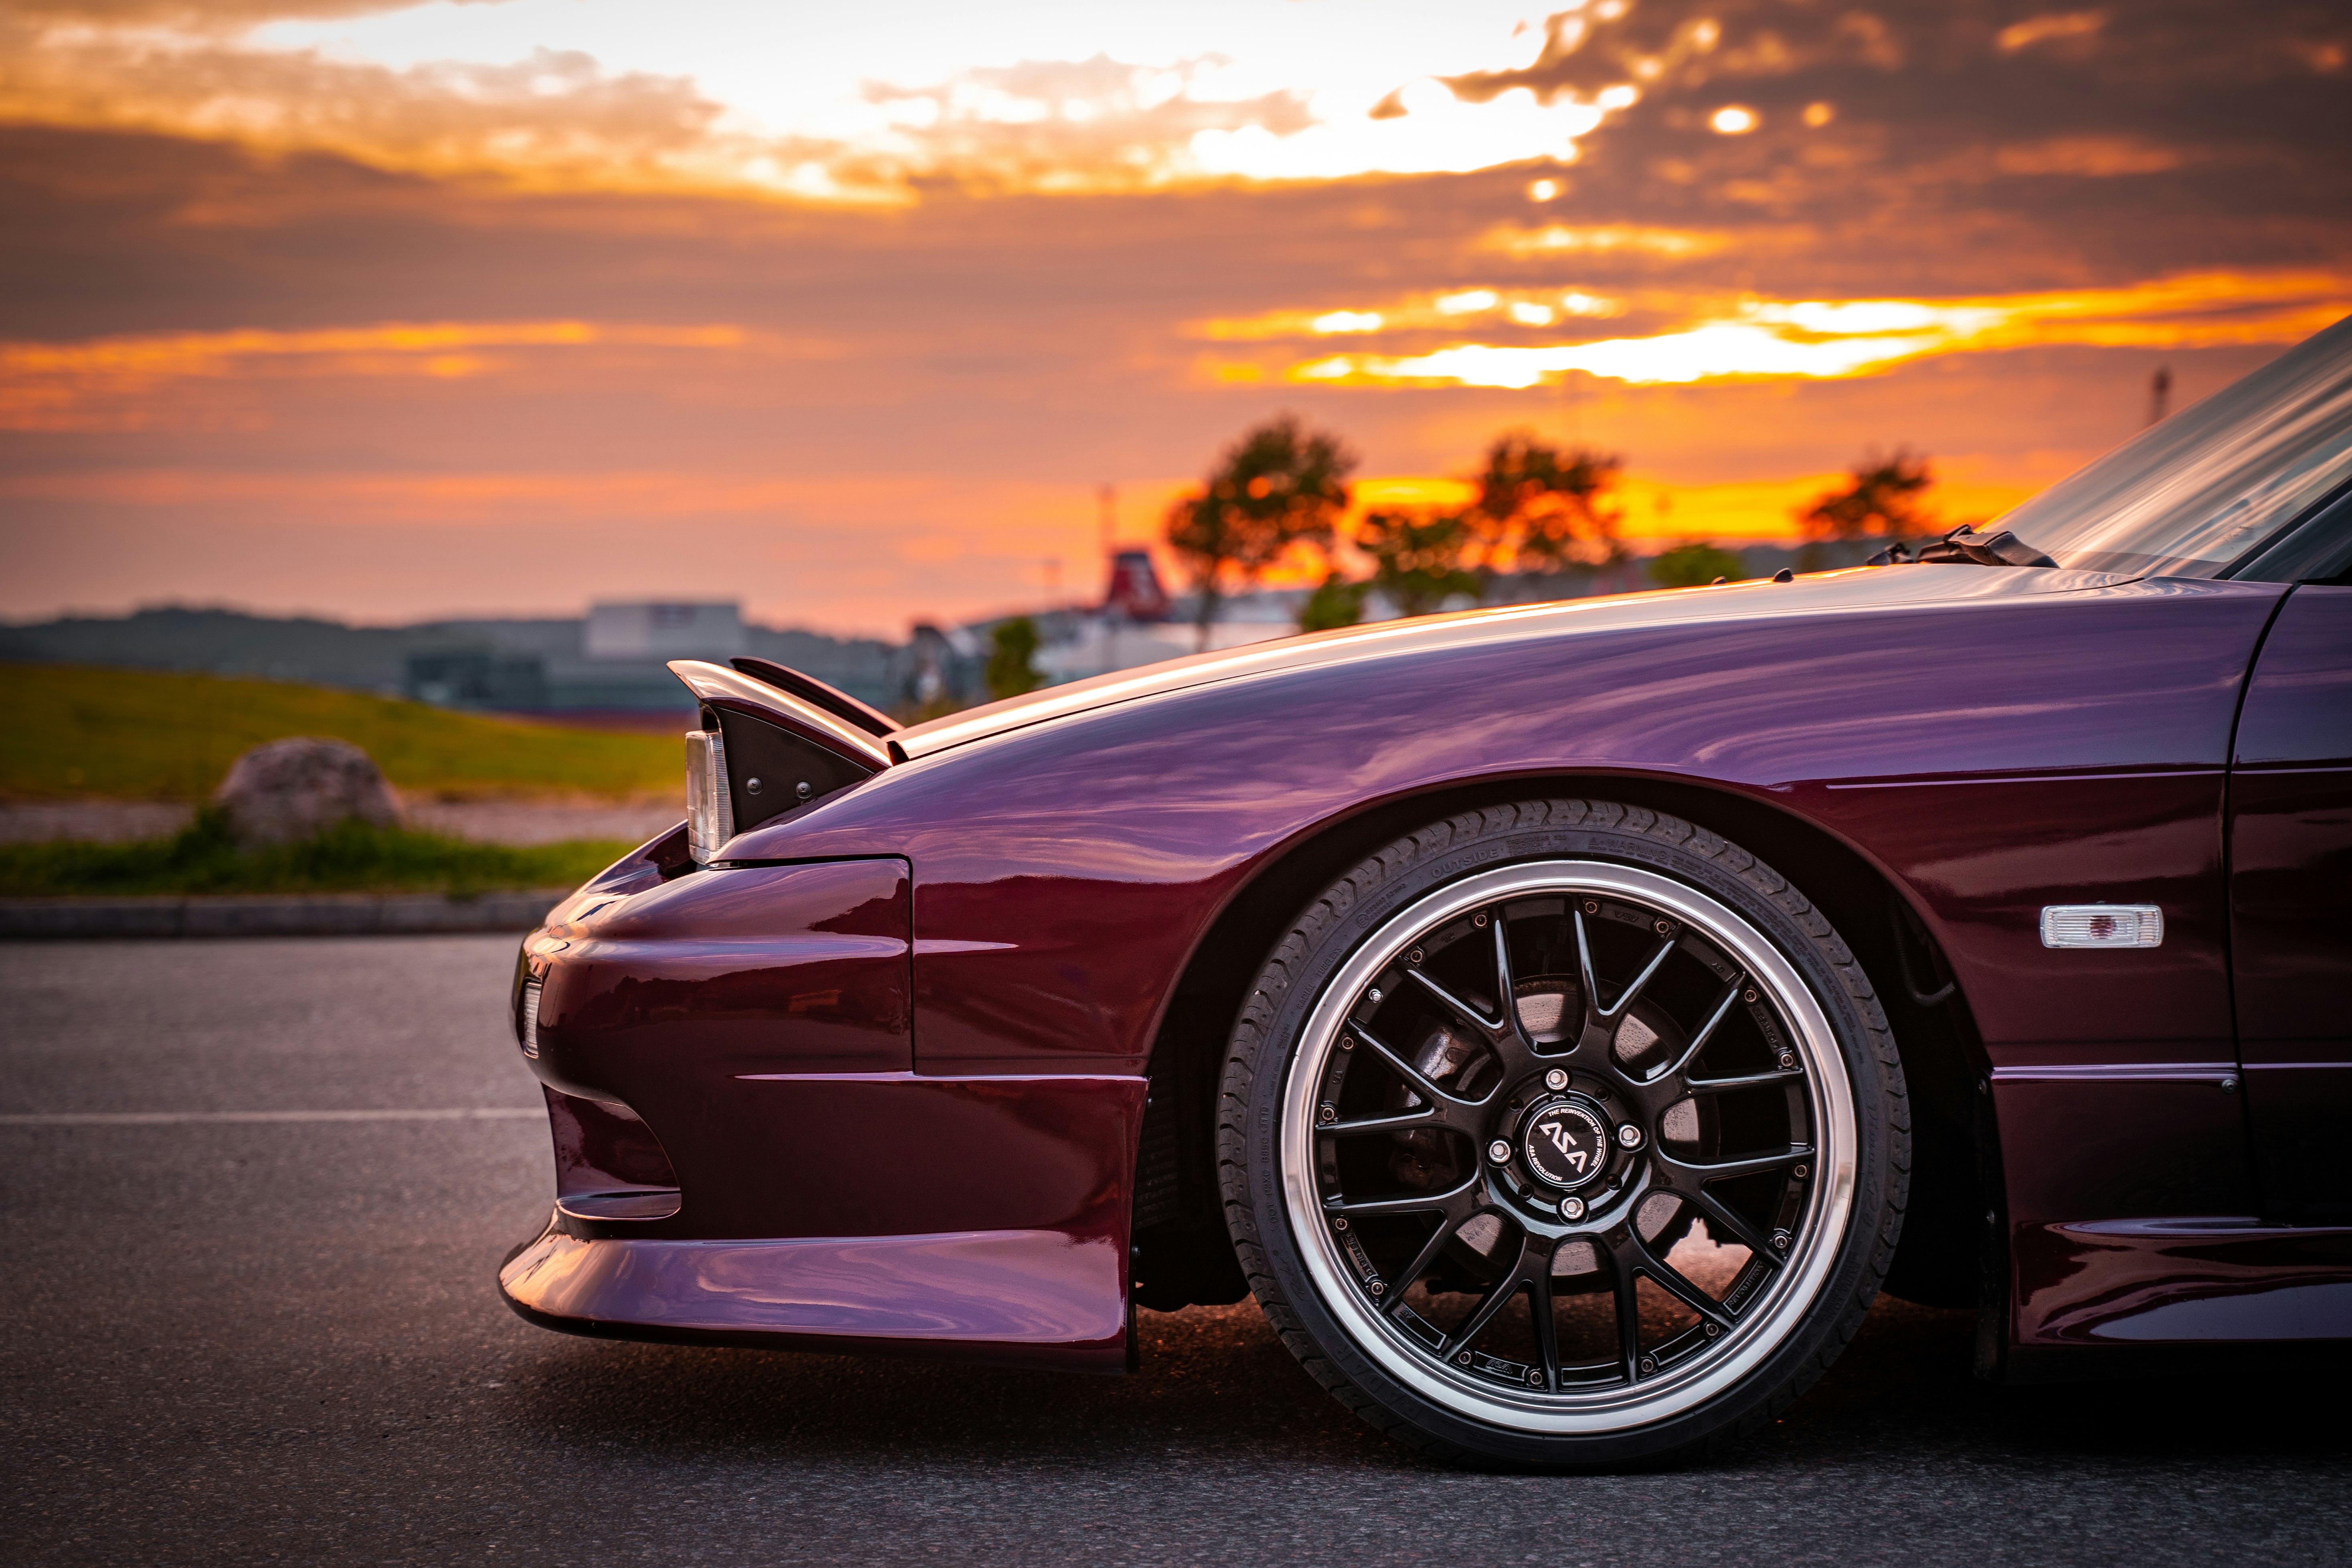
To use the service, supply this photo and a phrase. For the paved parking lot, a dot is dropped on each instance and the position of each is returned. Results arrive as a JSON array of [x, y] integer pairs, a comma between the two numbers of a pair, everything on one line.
[[278, 1340]]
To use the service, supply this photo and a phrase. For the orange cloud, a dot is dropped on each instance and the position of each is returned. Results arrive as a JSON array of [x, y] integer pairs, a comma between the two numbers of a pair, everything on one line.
[[2097, 157], [555, 121], [559, 120], [108, 383], [1584, 239], [1829, 339], [2045, 29], [1437, 309]]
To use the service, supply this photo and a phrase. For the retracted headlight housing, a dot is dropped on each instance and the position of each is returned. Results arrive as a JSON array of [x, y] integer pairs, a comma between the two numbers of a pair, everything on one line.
[[763, 752]]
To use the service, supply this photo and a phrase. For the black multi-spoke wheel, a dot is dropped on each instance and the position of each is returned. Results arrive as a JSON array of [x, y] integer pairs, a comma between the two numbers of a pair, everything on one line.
[[1585, 1156]]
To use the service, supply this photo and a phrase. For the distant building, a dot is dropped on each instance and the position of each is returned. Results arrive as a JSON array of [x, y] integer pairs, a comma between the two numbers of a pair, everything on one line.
[[476, 678], [615, 662], [1135, 592], [665, 631], [940, 666]]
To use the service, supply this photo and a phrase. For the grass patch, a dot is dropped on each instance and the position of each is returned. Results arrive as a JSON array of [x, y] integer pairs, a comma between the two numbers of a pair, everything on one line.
[[79, 730], [349, 858]]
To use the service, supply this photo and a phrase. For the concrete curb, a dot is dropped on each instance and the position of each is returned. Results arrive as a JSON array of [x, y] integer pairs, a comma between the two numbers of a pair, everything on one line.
[[306, 914]]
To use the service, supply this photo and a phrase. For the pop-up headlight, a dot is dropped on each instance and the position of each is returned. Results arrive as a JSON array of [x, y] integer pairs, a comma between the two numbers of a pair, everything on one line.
[[762, 752], [710, 804]]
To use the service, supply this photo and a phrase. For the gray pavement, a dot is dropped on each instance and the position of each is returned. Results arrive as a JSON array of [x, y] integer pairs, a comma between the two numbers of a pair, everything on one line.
[[278, 1341]]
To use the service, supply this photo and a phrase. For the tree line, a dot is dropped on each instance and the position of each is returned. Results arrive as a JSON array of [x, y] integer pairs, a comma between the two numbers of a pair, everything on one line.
[[1279, 494]]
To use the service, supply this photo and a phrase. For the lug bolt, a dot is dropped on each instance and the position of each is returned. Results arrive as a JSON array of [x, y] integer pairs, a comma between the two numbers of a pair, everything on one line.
[[1593, 906], [1535, 1378], [1649, 1364], [1379, 1288], [1478, 920], [1327, 1113], [1663, 927], [1414, 955], [1462, 1360], [1373, 994], [1338, 1222], [1711, 1330], [1498, 1152], [1571, 1208], [1629, 1136], [1800, 1172], [1788, 1060], [1556, 1079], [1779, 1241], [1346, 1042], [1748, 995]]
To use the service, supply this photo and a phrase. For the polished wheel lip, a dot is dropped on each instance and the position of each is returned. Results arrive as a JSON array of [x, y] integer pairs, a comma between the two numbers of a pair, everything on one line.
[[1765, 1324]]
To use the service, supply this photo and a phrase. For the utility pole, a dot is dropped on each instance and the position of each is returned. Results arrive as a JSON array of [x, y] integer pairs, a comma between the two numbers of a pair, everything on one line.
[[2160, 393]]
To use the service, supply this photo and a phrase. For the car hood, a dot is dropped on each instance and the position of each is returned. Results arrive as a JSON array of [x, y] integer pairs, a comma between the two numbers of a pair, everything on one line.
[[1861, 588]]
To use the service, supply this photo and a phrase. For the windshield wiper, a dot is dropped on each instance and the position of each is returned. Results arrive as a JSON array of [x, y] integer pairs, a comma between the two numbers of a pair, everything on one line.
[[1965, 543]]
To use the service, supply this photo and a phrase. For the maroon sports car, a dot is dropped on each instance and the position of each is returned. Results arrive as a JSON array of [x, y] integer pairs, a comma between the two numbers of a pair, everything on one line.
[[1565, 1020]]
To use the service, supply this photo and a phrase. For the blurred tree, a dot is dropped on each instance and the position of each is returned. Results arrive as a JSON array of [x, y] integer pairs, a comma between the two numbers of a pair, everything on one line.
[[1885, 498], [1012, 648], [1419, 559], [1280, 486], [1694, 565], [1338, 602], [1542, 509]]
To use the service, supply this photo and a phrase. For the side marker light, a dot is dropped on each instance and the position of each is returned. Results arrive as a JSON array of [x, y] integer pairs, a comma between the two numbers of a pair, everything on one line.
[[2102, 925], [527, 1026]]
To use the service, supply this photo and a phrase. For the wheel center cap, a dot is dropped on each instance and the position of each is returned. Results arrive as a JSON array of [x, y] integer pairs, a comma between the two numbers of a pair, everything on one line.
[[1566, 1142]]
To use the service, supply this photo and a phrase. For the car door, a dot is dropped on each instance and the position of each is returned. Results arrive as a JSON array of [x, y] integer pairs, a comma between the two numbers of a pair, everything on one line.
[[2290, 879]]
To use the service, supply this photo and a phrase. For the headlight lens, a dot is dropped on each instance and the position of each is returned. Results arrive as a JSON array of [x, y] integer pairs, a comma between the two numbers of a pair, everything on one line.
[[709, 804]]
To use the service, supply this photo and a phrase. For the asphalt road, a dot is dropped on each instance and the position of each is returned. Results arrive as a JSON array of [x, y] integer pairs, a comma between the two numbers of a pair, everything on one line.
[[278, 1340]]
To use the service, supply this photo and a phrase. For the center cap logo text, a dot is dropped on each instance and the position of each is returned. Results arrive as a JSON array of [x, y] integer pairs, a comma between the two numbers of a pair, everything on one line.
[[1566, 1144]]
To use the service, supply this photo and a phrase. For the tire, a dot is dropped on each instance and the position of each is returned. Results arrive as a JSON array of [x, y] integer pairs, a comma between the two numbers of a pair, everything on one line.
[[1451, 1209]]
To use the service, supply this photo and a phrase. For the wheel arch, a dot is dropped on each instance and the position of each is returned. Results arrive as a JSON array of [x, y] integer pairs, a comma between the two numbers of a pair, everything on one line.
[[1948, 1252]]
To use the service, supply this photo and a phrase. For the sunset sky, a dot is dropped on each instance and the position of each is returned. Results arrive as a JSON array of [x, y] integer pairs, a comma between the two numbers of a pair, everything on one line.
[[393, 311]]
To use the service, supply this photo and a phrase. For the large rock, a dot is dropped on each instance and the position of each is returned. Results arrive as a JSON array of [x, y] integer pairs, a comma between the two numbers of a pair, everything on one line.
[[297, 788]]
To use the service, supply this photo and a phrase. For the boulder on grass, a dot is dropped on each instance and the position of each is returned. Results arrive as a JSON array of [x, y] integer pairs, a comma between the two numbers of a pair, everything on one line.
[[289, 790]]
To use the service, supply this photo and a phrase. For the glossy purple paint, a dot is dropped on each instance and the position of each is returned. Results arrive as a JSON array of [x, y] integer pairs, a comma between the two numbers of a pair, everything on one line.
[[2155, 1281], [1041, 1298], [608, 1163], [1989, 740], [1101, 847], [2290, 869]]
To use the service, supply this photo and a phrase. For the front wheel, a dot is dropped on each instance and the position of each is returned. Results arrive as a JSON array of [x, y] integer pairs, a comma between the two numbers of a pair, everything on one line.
[[1562, 1135]]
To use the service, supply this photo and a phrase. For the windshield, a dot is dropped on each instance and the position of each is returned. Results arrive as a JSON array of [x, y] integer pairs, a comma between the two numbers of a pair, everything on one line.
[[2190, 496]]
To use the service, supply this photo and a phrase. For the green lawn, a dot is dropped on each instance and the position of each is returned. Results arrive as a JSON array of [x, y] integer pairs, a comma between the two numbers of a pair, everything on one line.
[[352, 858], [78, 730]]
